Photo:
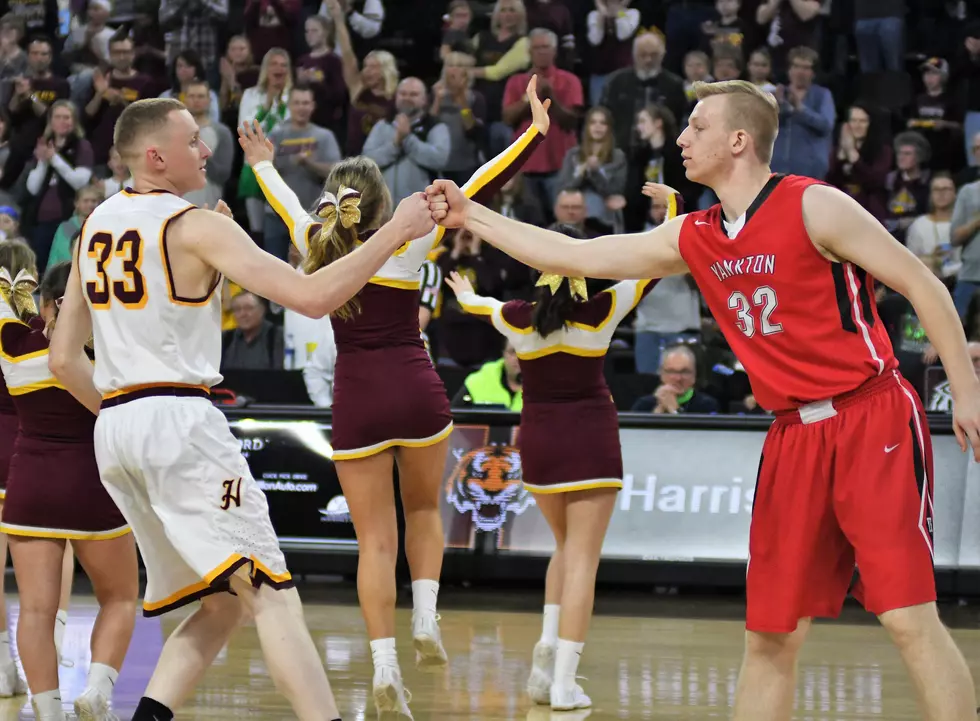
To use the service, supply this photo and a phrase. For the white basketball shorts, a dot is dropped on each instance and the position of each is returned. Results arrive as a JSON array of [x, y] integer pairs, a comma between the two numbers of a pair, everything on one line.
[[177, 474]]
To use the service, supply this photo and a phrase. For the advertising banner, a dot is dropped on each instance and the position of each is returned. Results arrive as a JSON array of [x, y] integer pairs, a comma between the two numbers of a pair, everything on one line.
[[687, 494]]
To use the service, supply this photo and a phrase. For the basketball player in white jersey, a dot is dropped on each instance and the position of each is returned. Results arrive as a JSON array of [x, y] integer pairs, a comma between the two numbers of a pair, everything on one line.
[[145, 284]]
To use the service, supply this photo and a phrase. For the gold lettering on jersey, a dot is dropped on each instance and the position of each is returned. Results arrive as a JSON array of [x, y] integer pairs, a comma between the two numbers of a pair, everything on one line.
[[232, 494], [749, 265]]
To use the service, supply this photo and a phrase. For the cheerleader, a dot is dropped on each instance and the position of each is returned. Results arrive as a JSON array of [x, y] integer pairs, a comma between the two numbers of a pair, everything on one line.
[[570, 450], [54, 494], [390, 406]]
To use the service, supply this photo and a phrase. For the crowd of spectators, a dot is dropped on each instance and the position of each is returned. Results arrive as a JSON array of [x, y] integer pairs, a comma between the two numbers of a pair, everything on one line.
[[878, 97]]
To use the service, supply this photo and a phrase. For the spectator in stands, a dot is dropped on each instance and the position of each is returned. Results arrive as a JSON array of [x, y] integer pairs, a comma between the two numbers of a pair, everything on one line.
[[965, 233], [726, 63], [268, 23], [669, 315], [940, 399], [87, 47], [304, 155], [656, 160], [238, 71], [112, 93], [497, 383], [554, 15], [465, 339], [972, 171], [760, 70], [412, 148], [929, 235], [62, 165], [908, 185], [188, 69], [646, 83], [862, 161], [806, 119], [464, 112], [365, 18], [371, 87], [685, 20], [676, 393], [697, 68], [570, 209], [565, 92], [267, 103], [194, 25], [256, 344], [118, 176], [791, 24], [13, 59], [456, 37], [969, 89], [322, 70], [514, 202], [10, 224], [500, 52], [610, 30], [39, 17], [935, 114], [200, 99], [598, 168], [726, 29], [33, 96], [86, 200], [879, 29]]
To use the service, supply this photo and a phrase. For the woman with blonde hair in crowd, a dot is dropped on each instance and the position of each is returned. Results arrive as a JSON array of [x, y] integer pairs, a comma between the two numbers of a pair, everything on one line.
[[55, 495], [371, 87], [389, 405], [570, 449], [464, 112]]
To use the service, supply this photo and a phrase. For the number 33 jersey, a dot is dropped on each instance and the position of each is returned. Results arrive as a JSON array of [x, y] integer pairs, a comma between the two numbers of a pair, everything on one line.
[[145, 332], [805, 329]]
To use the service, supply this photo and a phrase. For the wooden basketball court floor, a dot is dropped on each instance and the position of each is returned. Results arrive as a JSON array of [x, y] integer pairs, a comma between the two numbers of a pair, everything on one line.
[[647, 657]]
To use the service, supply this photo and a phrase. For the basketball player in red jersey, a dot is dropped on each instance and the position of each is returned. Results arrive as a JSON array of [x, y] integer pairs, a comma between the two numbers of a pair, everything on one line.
[[785, 264]]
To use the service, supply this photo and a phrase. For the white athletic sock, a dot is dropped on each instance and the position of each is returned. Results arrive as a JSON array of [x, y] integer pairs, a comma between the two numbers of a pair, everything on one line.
[[103, 678], [549, 629], [425, 594], [566, 662], [48, 705], [5, 657], [60, 624], [383, 653]]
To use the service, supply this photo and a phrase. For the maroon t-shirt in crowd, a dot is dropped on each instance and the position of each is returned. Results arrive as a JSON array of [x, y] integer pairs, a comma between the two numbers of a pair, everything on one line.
[[328, 88], [104, 122], [365, 111], [264, 33]]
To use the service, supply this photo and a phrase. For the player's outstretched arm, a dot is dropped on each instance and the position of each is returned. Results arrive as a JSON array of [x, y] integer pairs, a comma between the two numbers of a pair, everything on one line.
[[66, 355], [638, 256], [222, 244], [838, 225]]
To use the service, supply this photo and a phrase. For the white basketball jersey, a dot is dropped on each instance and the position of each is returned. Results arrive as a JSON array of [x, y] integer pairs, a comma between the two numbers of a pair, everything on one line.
[[145, 333]]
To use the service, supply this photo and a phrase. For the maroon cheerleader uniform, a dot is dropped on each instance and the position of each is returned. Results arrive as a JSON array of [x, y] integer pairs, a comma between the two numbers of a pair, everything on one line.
[[386, 391], [569, 436], [53, 485], [9, 423]]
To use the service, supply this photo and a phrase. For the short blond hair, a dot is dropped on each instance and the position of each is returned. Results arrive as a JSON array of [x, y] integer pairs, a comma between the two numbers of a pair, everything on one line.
[[749, 108], [139, 119]]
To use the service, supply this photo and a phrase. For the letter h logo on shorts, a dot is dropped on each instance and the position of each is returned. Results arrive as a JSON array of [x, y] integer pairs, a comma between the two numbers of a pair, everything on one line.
[[232, 495]]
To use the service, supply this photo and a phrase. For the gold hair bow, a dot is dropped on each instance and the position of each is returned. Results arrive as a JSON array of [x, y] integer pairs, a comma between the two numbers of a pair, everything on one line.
[[19, 292], [347, 208], [554, 281]]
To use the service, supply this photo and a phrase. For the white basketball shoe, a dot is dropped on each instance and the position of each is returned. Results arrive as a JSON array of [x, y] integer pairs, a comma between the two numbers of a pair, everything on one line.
[[11, 683], [569, 698], [542, 673], [390, 697], [92, 705], [427, 639]]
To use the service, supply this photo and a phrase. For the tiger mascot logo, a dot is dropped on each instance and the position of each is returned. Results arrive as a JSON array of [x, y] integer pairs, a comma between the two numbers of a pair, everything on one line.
[[486, 484]]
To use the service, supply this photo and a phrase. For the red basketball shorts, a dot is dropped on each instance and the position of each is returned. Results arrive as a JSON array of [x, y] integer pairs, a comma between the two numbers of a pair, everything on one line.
[[842, 484]]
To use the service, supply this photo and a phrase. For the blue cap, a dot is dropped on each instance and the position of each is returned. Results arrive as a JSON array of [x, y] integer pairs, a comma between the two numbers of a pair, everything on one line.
[[9, 210]]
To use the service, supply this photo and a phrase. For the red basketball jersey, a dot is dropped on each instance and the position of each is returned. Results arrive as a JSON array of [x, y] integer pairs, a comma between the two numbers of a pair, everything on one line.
[[805, 329]]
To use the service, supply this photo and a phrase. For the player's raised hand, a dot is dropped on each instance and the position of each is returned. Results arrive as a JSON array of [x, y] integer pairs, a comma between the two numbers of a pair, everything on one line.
[[539, 110], [447, 204], [257, 147], [459, 284], [413, 218], [966, 422]]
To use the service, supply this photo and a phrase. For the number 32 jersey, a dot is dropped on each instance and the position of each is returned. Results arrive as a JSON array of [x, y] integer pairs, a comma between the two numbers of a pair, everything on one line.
[[145, 332], [805, 329]]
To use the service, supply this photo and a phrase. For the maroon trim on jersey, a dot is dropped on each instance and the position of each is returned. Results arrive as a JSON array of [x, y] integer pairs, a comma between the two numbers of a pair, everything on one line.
[[774, 180], [18, 339], [166, 262], [155, 191], [154, 392]]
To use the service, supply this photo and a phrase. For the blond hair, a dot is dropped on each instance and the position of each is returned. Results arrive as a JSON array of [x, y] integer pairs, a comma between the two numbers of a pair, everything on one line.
[[16, 257], [749, 108], [334, 241], [139, 119]]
